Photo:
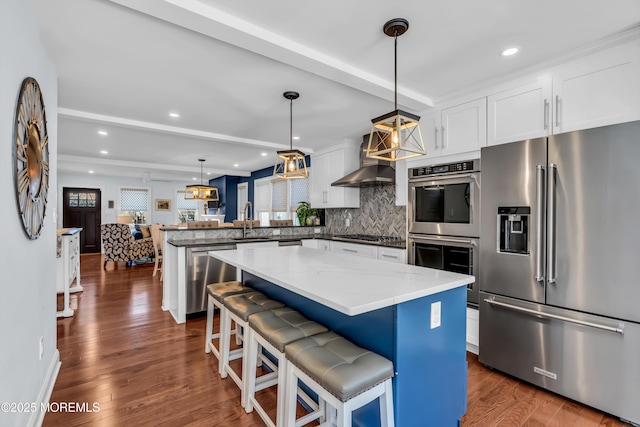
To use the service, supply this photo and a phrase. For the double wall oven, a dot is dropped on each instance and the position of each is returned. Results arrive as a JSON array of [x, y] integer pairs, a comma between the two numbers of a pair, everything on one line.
[[444, 219]]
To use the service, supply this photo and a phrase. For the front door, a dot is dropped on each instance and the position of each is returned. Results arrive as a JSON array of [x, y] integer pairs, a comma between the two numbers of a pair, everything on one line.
[[82, 209]]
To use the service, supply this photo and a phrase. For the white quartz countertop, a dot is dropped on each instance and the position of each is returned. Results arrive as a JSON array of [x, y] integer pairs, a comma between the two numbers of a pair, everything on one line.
[[349, 284]]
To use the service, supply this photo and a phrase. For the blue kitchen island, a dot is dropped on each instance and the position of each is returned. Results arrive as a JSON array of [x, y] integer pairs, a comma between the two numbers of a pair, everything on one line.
[[414, 316]]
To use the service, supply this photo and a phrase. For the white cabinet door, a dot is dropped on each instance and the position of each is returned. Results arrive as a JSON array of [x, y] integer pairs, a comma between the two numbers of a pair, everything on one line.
[[310, 243], [473, 330], [463, 127], [520, 113], [598, 90], [392, 254], [328, 167], [458, 129], [368, 251]]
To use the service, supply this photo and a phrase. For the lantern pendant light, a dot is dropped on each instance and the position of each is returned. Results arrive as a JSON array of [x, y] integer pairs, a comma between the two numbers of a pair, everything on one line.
[[202, 193], [395, 135], [290, 163]]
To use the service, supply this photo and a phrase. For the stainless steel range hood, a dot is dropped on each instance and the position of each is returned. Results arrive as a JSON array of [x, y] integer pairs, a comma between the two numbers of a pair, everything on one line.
[[372, 171]]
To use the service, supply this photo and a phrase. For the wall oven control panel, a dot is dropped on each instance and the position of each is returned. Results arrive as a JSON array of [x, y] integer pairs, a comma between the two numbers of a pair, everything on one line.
[[459, 167]]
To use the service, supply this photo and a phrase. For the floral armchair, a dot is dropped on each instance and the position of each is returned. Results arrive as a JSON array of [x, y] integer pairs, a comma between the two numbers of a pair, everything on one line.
[[119, 244]]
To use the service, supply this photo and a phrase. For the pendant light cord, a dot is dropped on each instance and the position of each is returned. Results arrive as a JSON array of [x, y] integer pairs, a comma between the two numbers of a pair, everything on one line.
[[291, 124], [395, 69]]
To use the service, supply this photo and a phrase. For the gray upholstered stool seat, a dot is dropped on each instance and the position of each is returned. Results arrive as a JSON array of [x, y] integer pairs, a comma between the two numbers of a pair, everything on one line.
[[221, 290], [344, 375], [216, 293], [238, 308], [282, 326], [245, 304], [273, 330]]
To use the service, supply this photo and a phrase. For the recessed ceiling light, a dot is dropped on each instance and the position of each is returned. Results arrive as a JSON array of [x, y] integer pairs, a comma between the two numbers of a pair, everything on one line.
[[263, 154], [104, 152], [296, 137], [235, 165], [103, 132], [208, 173], [510, 51], [90, 171], [176, 115], [195, 179]]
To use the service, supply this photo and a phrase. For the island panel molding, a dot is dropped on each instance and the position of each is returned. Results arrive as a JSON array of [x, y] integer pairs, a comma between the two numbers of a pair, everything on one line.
[[31, 158]]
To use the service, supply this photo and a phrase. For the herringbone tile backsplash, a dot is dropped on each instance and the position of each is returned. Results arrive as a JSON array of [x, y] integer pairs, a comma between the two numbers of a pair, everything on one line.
[[377, 215]]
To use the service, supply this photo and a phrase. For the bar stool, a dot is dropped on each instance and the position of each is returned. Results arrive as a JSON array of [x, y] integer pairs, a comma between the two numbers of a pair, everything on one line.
[[216, 294], [273, 330], [345, 377], [238, 308]]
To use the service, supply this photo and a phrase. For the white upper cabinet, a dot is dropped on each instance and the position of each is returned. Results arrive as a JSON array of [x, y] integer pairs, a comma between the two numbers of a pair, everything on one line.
[[520, 113], [458, 129], [464, 127], [598, 90], [327, 167]]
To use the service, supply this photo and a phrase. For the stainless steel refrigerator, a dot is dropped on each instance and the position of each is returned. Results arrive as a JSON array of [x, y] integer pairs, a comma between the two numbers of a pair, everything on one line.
[[560, 256]]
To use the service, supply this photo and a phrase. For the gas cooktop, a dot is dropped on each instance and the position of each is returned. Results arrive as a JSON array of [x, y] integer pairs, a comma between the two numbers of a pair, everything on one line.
[[367, 238]]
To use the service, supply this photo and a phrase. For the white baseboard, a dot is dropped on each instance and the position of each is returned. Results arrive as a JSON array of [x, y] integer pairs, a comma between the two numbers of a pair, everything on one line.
[[37, 417], [472, 348]]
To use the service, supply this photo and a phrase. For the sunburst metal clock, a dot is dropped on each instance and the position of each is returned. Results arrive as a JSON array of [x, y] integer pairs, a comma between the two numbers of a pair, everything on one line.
[[31, 158]]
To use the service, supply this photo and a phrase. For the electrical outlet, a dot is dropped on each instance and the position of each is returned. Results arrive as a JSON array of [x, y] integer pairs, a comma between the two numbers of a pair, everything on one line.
[[347, 222], [435, 314], [316, 230], [41, 348], [199, 234], [276, 232]]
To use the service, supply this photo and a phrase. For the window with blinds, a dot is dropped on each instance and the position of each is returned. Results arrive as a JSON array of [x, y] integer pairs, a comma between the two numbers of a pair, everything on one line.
[[262, 200], [134, 202], [278, 199], [186, 207]]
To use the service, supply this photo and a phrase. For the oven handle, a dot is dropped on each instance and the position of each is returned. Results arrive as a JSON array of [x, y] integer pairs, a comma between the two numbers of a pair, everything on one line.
[[555, 316], [473, 175], [442, 239]]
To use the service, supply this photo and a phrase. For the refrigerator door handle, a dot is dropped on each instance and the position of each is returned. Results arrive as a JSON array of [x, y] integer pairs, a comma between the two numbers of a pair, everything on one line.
[[540, 222], [551, 223], [619, 330]]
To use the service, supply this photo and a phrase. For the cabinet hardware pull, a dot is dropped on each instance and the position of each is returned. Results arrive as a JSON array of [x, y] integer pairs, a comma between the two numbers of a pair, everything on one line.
[[546, 114], [557, 111], [442, 145]]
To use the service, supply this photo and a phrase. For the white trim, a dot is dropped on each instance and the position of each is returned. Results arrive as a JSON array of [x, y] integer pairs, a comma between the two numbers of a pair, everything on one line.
[[37, 417]]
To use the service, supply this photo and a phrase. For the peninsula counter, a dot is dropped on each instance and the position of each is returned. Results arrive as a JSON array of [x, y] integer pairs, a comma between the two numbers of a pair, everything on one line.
[[414, 316]]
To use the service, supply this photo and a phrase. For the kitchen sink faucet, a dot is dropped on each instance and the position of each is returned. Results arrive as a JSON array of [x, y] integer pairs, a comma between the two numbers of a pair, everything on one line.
[[244, 222]]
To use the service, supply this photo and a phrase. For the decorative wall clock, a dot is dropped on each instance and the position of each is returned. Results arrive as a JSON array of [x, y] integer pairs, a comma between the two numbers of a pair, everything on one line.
[[31, 158]]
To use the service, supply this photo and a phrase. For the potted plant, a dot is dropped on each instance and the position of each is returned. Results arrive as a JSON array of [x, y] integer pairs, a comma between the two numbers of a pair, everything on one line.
[[305, 213]]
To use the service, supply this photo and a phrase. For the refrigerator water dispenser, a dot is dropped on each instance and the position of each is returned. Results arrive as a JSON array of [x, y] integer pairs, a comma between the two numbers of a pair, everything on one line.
[[513, 229]]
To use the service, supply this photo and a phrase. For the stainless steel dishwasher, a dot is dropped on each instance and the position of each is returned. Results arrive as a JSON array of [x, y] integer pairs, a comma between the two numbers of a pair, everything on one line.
[[202, 270]]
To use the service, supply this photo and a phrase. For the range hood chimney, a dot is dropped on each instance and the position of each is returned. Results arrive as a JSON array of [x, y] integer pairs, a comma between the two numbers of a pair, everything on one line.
[[372, 171]]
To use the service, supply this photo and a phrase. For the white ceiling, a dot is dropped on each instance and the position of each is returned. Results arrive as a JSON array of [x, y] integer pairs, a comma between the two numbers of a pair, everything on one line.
[[123, 65]]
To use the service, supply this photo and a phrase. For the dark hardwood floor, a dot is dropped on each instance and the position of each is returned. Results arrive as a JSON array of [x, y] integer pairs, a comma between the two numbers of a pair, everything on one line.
[[123, 352]]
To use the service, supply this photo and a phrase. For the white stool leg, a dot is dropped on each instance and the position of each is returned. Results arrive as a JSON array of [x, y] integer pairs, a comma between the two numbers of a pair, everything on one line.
[[252, 352], [281, 405], [386, 405], [344, 415], [209, 330], [291, 396], [225, 342]]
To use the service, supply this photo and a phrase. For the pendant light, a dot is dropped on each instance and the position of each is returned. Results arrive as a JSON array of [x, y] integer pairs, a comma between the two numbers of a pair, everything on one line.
[[202, 193], [395, 135], [290, 163]]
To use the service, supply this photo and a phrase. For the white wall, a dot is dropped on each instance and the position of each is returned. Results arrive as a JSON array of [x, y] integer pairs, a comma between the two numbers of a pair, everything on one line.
[[110, 188], [27, 267]]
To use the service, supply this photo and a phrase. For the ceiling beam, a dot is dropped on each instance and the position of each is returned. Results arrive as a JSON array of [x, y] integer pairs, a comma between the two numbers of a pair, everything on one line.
[[202, 18], [173, 130], [150, 167]]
